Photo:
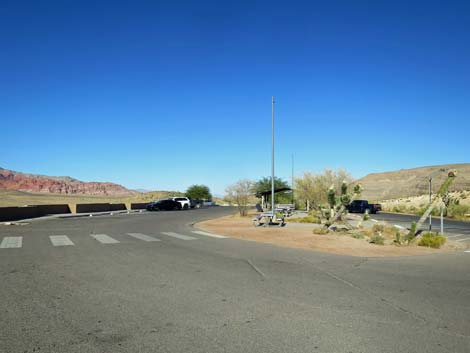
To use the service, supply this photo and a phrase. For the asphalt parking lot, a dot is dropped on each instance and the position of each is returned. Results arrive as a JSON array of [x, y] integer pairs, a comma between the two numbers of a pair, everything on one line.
[[151, 282]]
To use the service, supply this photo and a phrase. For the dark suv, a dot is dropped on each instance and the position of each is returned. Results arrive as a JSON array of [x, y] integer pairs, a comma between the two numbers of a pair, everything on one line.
[[363, 206], [164, 205]]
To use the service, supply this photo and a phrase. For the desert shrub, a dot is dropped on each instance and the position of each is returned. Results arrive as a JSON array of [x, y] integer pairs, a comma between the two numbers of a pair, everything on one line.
[[397, 238], [366, 217], [358, 236], [378, 228], [313, 213], [432, 240], [322, 230], [377, 239], [457, 211], [306, 219]]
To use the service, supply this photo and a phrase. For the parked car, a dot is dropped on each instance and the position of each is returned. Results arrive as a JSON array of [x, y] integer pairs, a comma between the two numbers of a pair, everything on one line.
[[195, 203], [363, 206], [183, 200], [164, 205]]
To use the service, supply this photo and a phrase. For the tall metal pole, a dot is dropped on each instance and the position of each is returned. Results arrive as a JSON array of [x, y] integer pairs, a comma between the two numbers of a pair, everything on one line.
[[430, 202], [292, 182], [272, 164]]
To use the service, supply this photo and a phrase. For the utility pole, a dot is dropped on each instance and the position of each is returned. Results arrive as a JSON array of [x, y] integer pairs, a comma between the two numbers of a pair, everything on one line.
[[272, 164], [430, 202]]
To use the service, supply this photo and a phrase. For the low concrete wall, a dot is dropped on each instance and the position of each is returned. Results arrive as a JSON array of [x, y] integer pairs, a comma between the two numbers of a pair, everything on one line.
[[53, 209], [139, 206], [17, 213], [117, 207], [92, 207]]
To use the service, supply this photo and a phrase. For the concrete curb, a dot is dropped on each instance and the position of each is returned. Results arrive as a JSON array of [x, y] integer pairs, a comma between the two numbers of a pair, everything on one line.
[[71, 215]]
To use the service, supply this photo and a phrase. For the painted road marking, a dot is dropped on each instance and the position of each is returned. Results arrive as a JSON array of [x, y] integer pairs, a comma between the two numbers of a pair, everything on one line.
[[142, 237], [467, 251], [466, 239], [11, 242], [60, 240], [399, 227], [179, 236], [104, 239], [209, 234], [374, 220], [456, 236]]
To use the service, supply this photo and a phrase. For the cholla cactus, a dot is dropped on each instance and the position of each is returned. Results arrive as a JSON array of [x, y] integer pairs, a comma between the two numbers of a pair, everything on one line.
[[345, 199], [332, 196]]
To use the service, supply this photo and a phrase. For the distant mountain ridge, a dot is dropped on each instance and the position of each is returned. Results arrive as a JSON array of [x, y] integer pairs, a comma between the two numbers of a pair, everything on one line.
[[413, 182], [35, 183]]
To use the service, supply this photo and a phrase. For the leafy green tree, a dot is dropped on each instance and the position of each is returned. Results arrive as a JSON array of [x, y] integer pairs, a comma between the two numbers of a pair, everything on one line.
[[264, 185], [199, 192]]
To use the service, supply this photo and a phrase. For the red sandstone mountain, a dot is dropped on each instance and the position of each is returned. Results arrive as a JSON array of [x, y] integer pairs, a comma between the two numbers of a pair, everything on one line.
[[11, 180]]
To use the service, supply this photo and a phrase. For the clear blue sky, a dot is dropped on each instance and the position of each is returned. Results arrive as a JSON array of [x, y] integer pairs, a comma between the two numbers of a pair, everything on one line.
[[162, 95]]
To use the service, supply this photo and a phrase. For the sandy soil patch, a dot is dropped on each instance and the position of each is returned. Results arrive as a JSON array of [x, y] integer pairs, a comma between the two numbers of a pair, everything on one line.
[[301, 236]]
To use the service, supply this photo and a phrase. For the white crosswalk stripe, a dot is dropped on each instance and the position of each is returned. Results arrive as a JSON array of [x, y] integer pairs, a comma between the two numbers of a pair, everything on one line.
[[179, 236], [143, 237], [11, 242], [209, 234], [104, 239], [61, 240]]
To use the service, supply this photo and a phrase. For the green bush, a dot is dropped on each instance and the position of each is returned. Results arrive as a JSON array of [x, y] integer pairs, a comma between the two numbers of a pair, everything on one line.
[[366, 217], [377, 239], [432, 240]]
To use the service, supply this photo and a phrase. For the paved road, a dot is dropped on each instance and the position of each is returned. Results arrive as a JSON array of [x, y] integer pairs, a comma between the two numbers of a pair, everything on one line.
[[457, 230], [102, 284]]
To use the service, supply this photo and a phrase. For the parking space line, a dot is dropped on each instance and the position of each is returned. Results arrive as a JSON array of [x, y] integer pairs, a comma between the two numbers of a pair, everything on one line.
[[179, 236], [209, 234], [456, 236], [104, 239], [143, 237], [11, 242], [60, 240]]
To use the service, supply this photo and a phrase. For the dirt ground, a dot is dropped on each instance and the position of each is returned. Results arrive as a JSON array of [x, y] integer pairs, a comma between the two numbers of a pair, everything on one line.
[[295, 235]]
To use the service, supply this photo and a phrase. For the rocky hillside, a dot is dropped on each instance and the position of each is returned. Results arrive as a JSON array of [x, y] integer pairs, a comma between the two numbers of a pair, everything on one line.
[[412, 182], [11, 180]]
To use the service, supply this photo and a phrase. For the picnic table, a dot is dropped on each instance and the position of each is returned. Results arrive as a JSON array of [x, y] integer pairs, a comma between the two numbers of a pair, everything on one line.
[[266, 218]]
